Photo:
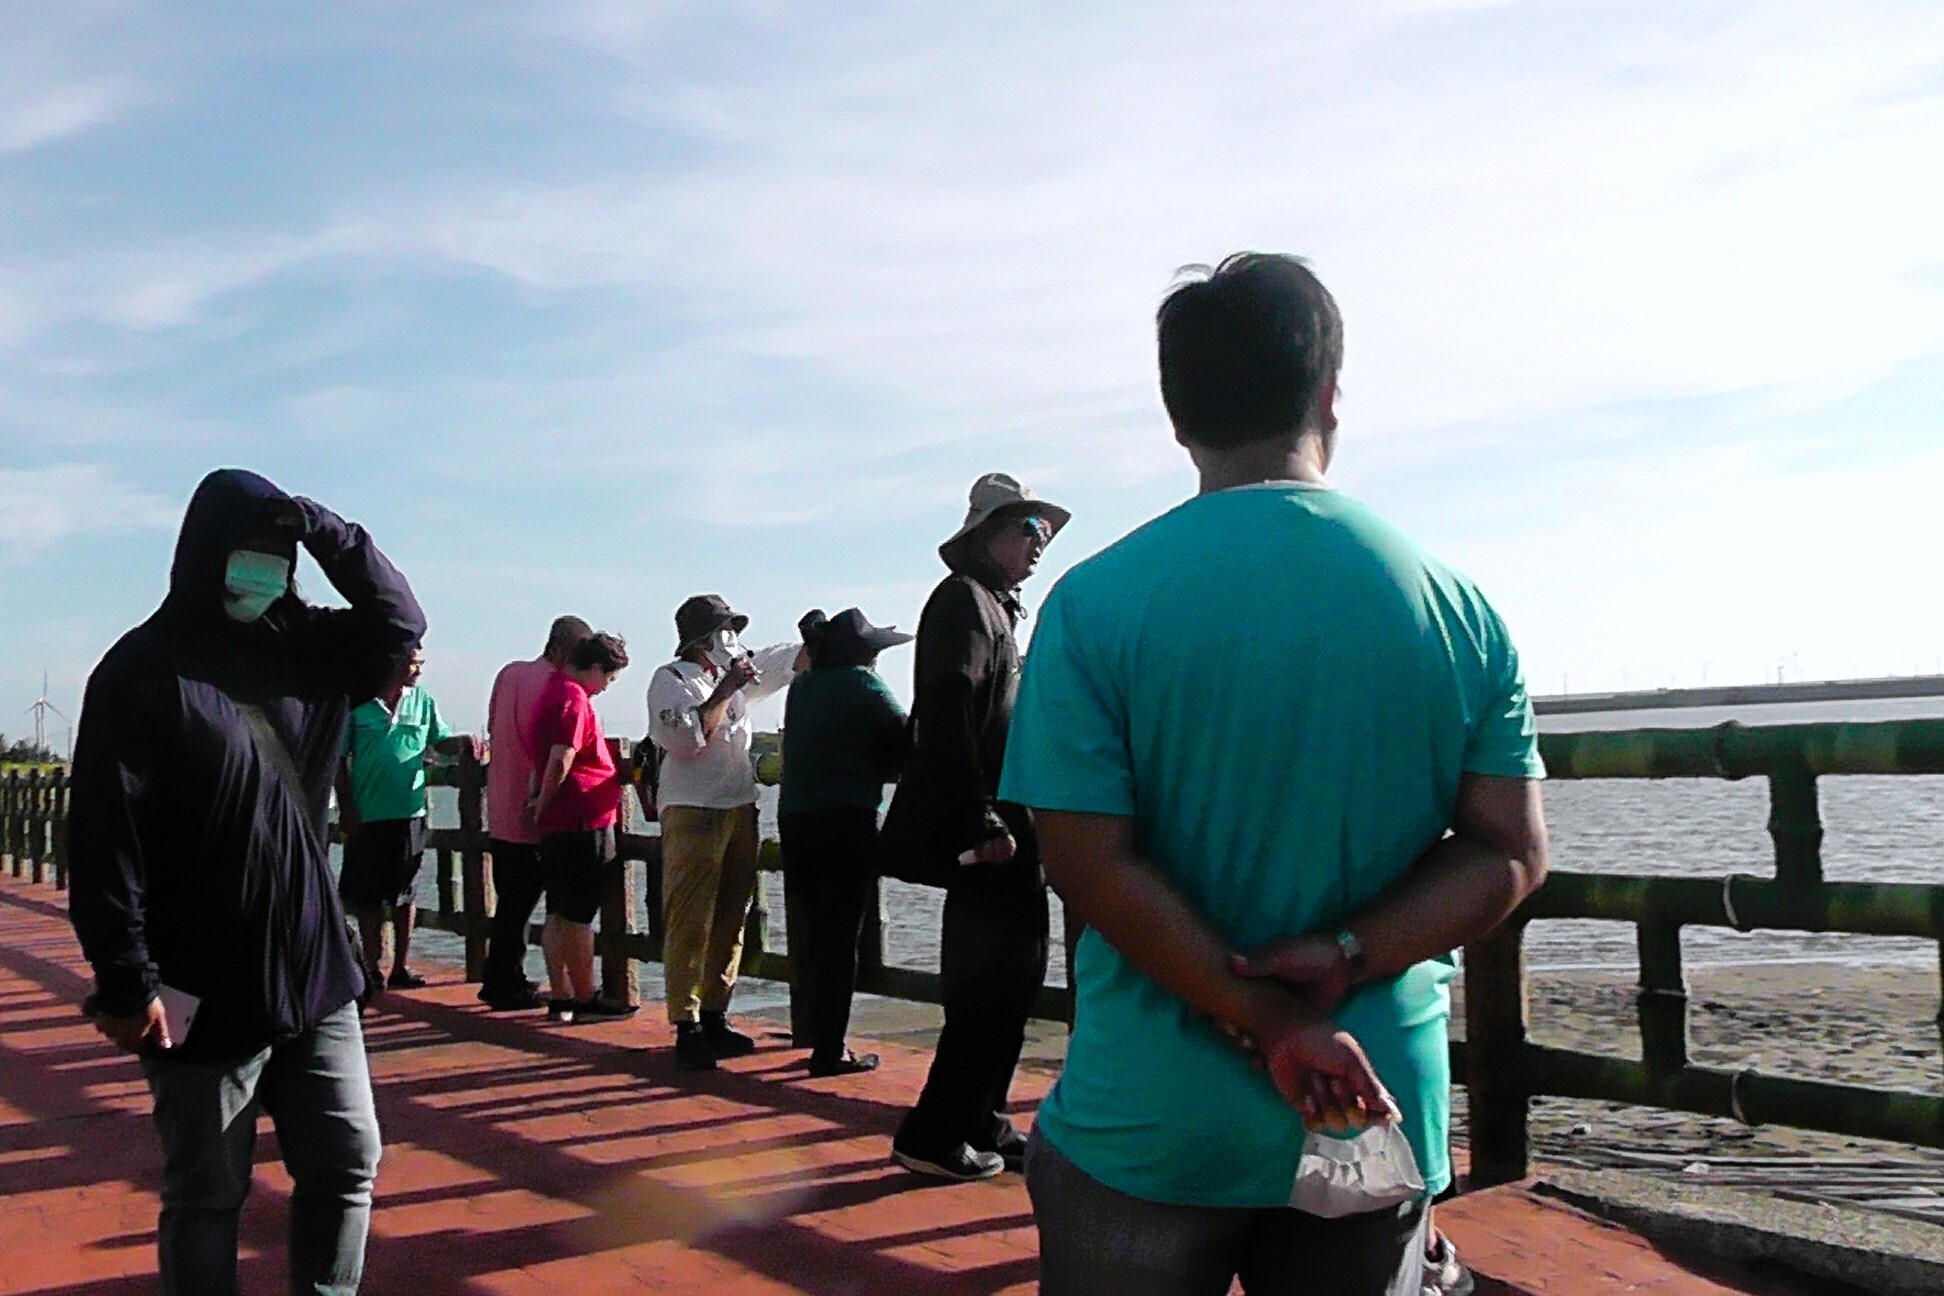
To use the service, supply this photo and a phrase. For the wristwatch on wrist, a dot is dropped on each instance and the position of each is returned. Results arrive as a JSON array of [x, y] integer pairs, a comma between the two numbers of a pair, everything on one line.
[[1352, 951]]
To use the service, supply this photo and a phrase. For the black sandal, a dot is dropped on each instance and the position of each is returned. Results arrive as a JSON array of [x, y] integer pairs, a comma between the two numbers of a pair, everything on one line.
[[849, 1064]]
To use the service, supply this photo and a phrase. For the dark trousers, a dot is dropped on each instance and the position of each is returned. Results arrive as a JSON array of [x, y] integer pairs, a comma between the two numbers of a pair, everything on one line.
[[992, 961], [1095, 1241], [829, 868], [517, 885]]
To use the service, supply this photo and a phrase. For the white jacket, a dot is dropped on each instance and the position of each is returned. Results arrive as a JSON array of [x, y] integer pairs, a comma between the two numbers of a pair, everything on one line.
[[714, 773]]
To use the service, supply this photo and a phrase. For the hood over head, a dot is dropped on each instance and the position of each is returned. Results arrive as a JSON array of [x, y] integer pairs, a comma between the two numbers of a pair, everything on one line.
[[227, 507]]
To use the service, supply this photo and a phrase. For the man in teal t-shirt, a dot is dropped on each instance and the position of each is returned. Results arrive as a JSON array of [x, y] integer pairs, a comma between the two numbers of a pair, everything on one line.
[[1246, 729], [382, 806]]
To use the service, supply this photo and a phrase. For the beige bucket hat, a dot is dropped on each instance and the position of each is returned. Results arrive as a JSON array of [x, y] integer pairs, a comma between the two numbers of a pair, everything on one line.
[[998, 493]]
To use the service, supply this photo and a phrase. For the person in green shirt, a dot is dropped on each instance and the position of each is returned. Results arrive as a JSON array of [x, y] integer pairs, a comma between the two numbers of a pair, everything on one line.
[[844, 738], [1283, 763], [382, 806]]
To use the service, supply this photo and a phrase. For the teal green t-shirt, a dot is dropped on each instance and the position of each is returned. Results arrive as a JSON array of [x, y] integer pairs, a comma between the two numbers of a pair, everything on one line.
[[387, 750], [1282, 691], [844, 738]]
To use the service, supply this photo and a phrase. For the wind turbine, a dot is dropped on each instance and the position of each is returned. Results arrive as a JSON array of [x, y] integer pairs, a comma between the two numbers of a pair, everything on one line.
[[40, 711]]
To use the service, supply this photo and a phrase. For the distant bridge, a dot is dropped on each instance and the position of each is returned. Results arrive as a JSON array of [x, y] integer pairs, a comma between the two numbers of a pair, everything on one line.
[[1861, 690]]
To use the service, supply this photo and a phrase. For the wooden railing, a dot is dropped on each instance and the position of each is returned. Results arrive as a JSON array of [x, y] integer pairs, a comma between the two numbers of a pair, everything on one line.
[[1502, 1068], [461, 866], [33, 823]]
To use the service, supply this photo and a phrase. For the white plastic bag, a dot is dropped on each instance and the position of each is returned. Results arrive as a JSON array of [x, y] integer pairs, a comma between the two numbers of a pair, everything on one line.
[[1370, 1171]]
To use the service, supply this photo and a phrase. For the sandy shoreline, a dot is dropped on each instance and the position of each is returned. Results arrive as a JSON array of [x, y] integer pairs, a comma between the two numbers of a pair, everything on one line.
[[1865, 1025], [1874, 1025]]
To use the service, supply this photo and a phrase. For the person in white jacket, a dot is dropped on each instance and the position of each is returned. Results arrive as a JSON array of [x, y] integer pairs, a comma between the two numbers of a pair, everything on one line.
[[698, 715]]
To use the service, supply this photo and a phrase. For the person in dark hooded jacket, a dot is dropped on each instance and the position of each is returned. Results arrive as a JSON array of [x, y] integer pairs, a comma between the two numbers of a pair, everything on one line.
[[947, 827], [199, 878]]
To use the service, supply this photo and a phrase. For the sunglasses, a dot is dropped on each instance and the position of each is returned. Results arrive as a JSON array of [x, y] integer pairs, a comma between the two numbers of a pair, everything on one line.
[[1038, 528]]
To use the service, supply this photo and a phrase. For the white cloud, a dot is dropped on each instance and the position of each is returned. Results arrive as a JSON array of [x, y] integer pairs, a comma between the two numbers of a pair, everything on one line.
[[70, 68], [980, 216], [1523, 209], [31, 118], [162, 284], [40, 507], [1524, 212], [805, 263]]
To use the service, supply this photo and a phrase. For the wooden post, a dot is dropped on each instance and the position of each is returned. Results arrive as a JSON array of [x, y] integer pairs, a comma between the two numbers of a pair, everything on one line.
[[17, 822], [442, 875], [1795, 825], [1498, 1090], [651, 898], [870, 945], [870, 948], [476, 881], [795, 923], [619, 984], [10, 830], [756, 929], [1662, 1001], [59, 836], [17, 834], [23, 849], [39, 820]]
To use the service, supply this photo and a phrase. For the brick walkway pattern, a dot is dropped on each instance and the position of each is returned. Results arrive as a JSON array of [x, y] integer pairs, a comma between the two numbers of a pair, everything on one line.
[[524, 1159]]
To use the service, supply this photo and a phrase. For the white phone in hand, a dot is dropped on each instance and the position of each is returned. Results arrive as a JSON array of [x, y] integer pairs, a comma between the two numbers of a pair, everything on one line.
[[181, 1008]]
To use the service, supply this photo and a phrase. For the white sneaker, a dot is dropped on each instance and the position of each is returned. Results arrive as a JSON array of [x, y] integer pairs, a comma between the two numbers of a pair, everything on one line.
[[1443, 1275]]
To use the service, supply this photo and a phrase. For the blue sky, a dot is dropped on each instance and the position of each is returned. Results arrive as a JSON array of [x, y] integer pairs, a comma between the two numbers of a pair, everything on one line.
[[588, 307]]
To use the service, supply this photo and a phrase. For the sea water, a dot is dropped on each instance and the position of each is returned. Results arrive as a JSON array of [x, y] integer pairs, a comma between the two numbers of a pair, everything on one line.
[[1876, 829]]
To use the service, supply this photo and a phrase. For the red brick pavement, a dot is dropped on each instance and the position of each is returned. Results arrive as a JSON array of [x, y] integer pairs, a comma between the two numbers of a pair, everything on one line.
[[522, 1158]]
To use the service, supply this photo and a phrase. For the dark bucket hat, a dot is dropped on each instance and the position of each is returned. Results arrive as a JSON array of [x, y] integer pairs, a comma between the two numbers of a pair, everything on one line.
[[847, 638], [701, 616]]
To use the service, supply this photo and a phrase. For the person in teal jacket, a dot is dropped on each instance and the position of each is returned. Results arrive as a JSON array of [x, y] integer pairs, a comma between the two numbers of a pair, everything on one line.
[[844, 738]]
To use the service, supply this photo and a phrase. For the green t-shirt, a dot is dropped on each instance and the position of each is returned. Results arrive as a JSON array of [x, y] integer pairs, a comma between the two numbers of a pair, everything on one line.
[[386, 750], [1282, 692]]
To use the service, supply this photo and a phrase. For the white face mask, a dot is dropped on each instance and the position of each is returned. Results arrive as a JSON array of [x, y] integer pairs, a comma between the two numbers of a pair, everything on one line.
[[1373, 1170], [252, 582], [724, 649]]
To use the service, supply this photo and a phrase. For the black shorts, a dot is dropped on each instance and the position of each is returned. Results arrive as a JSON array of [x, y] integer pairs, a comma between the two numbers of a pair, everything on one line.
[[574, 866], [381, 864]]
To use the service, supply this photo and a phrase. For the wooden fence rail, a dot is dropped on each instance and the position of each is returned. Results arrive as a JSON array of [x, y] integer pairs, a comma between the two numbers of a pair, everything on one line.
[[1502, 1068], [466, 901], [33, 824]]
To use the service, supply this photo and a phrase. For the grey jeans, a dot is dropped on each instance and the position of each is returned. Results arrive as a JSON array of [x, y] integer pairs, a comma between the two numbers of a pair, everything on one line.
[[317, 1091], [1094, 1240]]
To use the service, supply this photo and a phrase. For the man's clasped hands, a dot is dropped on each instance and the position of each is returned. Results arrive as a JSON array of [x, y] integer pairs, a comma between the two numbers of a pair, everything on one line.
[[1317, 1066]]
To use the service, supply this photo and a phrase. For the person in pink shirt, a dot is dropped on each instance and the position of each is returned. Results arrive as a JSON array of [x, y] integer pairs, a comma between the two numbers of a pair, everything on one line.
[[576, 801], [513, 838]]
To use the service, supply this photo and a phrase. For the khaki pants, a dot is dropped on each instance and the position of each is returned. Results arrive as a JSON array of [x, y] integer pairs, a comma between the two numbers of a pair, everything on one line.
[[708, 884]]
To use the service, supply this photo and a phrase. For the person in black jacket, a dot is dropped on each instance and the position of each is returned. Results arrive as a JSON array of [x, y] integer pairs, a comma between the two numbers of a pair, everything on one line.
[[946, 826], [200, 886], [844, 738]]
